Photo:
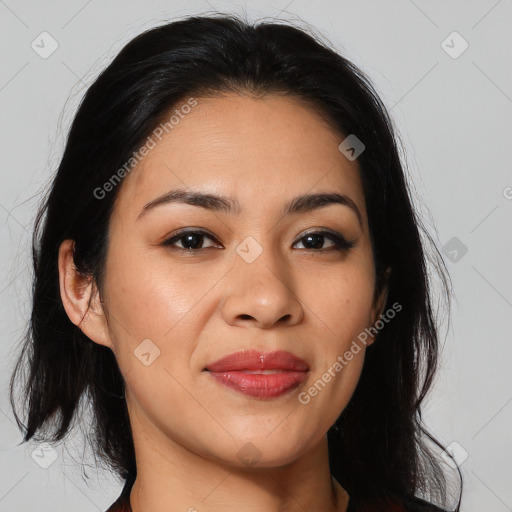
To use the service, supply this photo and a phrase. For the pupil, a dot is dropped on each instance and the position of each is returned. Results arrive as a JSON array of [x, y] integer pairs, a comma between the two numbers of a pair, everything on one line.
[[315, 238], [190, 239]]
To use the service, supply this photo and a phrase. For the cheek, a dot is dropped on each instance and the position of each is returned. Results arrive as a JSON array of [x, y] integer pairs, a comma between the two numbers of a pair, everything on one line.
[[155, 338], [141, 307], [342, 303], [150, 300], [343, 300], [161, 405], [329, 392], [147, 295]]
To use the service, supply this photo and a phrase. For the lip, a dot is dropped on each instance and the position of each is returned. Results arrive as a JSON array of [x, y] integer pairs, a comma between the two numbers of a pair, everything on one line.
[[283, 372]]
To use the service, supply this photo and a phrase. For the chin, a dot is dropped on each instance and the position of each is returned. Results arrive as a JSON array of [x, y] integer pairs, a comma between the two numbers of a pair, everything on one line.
[[269, 452]]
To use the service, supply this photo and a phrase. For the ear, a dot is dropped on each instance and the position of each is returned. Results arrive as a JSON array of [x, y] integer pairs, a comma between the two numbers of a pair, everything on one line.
[[75, 291], [379, 305]]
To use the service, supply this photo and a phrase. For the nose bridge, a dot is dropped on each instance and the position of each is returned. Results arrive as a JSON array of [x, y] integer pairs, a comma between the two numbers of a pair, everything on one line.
[[262, 290]]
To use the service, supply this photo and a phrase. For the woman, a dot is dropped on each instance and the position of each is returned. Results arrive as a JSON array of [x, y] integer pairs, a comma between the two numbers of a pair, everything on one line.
[[229, 263]]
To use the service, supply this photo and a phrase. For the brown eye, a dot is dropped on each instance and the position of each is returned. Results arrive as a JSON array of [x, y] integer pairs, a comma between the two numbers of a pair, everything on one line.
[[315, 241], [191, 241]]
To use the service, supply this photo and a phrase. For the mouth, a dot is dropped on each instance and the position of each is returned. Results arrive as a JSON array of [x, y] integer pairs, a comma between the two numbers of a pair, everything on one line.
[[262, 372], [253, 360], [259, 375]]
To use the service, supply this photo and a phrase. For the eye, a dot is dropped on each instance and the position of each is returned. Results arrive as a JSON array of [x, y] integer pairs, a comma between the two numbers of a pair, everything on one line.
[[316, 238], [192, 241]]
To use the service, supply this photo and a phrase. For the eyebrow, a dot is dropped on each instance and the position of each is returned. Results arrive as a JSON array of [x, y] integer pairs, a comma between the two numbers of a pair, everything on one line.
[[299, 204]]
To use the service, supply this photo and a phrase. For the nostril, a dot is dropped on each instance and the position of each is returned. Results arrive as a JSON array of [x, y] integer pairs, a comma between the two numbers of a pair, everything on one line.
[[245, 317]]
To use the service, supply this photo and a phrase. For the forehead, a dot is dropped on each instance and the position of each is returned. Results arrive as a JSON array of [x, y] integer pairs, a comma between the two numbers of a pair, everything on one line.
[[263, 151]]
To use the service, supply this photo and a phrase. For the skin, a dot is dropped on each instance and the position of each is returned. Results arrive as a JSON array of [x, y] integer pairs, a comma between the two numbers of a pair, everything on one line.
[[196, 308]]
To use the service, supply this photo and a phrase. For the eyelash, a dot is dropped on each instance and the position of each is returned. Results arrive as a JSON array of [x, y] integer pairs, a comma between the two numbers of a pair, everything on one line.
[[340, 243]]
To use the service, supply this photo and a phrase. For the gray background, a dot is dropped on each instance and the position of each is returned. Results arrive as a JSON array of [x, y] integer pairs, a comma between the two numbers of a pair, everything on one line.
[[454, 117]]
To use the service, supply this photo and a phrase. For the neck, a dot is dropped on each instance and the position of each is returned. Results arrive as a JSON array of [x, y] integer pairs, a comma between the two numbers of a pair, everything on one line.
[[172, 478]]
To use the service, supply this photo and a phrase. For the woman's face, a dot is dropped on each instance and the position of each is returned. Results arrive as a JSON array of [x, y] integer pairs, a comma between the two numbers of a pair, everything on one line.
[[247, 278]]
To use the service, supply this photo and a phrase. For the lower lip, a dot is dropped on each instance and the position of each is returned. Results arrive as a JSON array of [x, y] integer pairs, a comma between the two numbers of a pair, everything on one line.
[[258, 385]]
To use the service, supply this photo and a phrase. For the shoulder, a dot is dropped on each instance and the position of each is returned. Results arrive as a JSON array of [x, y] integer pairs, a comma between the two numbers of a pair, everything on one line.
[[391, 502], [415, 504], [122, 504]]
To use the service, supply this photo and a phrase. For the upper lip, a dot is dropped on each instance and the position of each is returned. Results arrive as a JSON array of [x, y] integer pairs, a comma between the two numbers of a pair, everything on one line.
[[255, 360]]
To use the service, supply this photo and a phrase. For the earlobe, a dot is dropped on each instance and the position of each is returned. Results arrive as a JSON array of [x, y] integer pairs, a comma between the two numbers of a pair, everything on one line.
[[76, 291]]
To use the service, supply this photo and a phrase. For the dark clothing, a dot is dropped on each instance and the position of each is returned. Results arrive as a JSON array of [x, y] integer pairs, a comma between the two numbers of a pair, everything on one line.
[[122, 504], [389, 503]]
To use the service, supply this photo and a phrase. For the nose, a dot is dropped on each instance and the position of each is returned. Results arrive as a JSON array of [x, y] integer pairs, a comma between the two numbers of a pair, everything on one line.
[[261, 294]]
